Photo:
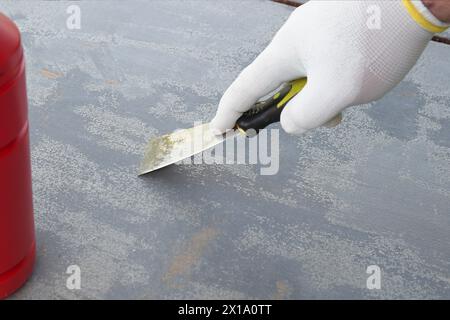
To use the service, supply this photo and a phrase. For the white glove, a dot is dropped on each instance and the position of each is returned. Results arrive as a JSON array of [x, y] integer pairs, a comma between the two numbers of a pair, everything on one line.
[[352, 52]]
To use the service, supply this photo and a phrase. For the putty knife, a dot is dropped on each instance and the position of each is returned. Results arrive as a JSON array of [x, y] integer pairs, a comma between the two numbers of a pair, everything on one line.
[[171, 148]]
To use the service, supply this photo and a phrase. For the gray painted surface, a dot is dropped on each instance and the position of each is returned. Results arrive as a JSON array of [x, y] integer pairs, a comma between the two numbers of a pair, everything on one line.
[[375, 190]]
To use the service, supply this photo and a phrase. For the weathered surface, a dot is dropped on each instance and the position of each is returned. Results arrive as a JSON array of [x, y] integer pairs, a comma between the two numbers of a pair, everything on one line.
[[375, 190]]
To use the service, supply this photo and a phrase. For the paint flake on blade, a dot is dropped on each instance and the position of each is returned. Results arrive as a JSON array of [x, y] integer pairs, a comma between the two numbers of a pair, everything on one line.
[[156, 151]]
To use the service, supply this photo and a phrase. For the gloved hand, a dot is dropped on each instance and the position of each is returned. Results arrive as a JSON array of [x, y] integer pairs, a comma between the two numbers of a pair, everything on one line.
[[352, 52]]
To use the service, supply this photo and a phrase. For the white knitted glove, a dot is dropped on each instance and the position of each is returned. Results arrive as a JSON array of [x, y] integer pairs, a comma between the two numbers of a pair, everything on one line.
[[352, 52]]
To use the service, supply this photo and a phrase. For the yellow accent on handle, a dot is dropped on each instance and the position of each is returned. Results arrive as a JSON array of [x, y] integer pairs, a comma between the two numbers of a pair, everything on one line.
[[420, 19], [241, 131], [297, 86]]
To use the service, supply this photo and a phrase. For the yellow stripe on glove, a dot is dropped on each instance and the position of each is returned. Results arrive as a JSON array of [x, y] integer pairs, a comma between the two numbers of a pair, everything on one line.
[[421, 20]]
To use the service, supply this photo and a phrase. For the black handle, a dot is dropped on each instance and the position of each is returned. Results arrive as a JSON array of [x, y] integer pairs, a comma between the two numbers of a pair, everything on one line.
[[266, 112]]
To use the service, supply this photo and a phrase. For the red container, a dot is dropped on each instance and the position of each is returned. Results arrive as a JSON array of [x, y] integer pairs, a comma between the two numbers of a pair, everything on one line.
[[17, 242]]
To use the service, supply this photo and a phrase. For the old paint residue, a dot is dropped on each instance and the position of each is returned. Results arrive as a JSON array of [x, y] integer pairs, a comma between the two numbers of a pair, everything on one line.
[[157, 151]]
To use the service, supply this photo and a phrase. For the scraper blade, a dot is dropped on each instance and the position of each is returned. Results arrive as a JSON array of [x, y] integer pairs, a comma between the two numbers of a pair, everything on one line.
[[179, 145]]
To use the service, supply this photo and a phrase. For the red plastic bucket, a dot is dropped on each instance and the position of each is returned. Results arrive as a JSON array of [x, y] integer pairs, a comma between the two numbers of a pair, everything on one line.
[[17, 240]]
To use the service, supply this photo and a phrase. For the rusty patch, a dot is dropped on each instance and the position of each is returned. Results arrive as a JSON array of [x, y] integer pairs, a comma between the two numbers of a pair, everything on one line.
[[282, 290], [112, 82], [191, 254], [51, 75], [291, 3]]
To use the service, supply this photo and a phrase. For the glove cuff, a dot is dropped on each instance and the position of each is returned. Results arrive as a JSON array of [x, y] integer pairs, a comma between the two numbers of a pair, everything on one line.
[[423, 17]]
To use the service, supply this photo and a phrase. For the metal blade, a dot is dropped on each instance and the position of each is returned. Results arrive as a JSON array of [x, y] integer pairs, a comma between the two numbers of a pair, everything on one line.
[[171, 148]]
